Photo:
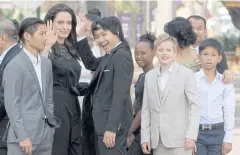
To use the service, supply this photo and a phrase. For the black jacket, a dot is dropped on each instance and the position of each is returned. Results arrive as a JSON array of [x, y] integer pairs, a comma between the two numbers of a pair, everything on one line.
[[109, 89]]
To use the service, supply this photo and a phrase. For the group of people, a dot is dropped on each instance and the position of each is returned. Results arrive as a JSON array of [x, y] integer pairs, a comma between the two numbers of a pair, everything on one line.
[[65, 88]]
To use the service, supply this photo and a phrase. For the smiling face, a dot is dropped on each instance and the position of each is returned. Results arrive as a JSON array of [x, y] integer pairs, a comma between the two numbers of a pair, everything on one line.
[[143, 54], [105, 39], [210, 57], [63, 23], [165, 52]]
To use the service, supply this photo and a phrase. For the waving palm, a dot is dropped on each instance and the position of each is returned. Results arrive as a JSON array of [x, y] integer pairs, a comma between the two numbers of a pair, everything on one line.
[[51, 34]]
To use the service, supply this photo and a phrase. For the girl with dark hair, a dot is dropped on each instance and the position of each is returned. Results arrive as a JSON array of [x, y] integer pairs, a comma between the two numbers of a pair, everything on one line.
[[60, 48], [109, 90], [181, 29], [144, 54]]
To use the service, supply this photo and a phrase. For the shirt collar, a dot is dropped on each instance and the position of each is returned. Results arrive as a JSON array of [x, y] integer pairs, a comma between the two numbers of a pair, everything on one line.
[[6, 51], [203, 76], [195, 49], [169, 70], [114, 47], [34, 60]]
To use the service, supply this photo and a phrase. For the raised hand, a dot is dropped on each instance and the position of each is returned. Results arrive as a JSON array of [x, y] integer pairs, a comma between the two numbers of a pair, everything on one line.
[[81, 28], [51, 35]]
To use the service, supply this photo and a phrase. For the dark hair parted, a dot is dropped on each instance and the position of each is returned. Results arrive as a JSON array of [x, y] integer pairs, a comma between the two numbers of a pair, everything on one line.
[[181, 29], [197, 17], [148, 37], [29, 25], [111, 24], [72, 38], [93, 15], [210, 42]]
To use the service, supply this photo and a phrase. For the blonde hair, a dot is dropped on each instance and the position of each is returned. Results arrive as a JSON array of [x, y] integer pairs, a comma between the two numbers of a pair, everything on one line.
[[165, 37]]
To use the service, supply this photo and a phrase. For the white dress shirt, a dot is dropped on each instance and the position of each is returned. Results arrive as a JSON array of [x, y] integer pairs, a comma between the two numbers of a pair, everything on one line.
[[36, 61], [217, 102], [163, 78], [195, 49], [5, 52]]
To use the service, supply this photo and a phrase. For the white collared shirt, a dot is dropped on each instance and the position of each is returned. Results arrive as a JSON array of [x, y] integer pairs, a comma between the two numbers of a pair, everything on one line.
[[5, 52], [36, 61], [195, 49], [163, 77], [217, 102]]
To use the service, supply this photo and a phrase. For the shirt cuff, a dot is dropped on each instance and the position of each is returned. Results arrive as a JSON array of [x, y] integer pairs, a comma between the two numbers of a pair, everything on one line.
[[81, 38], [228, 137]]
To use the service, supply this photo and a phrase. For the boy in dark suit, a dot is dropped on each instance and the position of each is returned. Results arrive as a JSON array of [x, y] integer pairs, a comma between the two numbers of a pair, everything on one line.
[[110, 85]]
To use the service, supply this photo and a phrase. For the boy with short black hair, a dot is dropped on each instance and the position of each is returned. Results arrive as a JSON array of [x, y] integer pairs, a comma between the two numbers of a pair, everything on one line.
[[217, 102]]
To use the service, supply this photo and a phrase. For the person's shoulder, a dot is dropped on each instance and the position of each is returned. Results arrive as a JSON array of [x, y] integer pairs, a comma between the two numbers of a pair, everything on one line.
[[16, 60], [184, 69], [198, 74], [15, 65], [152, 72], [123, 50], [46, 60], [122, 53]]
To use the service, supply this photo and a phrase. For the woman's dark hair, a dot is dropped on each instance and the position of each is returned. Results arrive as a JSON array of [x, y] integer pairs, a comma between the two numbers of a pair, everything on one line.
[[93, 15], [181, 29], [29, 25], [211, 42], [72, 38], [148, 37], [111, 24]]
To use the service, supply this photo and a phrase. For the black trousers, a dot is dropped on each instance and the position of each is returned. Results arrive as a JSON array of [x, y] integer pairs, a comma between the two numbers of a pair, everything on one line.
[[3, 150], [67, 138]]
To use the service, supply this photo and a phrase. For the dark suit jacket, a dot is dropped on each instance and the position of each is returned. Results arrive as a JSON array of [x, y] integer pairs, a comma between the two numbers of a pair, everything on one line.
[[110, 87], [3, 115]]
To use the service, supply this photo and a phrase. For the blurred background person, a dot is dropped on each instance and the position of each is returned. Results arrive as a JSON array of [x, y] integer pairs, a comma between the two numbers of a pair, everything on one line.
[[9, 48]]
